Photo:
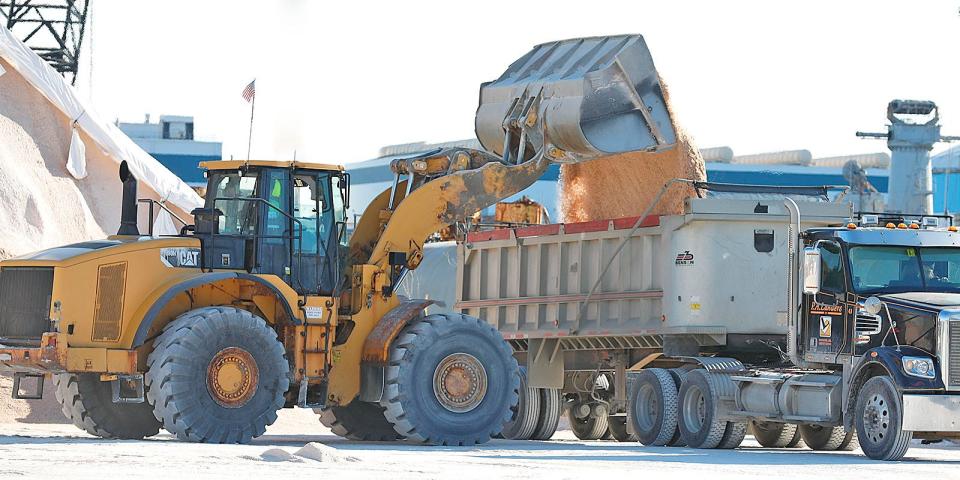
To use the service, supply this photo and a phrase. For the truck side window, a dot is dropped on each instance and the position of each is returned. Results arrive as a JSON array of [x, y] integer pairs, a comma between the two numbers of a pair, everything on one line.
[[831, 268]]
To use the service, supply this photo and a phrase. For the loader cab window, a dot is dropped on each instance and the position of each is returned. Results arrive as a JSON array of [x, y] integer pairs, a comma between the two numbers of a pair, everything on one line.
[[239, 217]]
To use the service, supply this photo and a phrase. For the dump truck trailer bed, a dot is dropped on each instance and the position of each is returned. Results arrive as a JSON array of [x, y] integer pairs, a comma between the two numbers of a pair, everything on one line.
[[714, 277]]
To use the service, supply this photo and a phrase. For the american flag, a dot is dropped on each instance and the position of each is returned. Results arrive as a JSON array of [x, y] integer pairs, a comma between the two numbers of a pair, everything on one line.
[[250, 91]]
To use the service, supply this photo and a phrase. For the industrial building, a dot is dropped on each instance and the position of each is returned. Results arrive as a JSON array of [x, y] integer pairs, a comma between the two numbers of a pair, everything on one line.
[[171, 141], [793, 167]]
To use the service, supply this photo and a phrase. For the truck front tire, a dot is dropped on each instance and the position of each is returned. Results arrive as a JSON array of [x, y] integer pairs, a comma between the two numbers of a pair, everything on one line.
[[451, 380], [88, 403], [878, 416], [217, 375]]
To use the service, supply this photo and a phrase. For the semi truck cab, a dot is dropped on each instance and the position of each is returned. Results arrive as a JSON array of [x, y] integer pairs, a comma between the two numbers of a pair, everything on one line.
[[884, 302]]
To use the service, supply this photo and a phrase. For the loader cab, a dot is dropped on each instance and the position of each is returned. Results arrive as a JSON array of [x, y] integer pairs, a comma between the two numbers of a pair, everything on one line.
[[275, 218]]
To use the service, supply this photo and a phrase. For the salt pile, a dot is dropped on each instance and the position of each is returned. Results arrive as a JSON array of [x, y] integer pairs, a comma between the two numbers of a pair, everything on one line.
[[311, 451], [625, 185]]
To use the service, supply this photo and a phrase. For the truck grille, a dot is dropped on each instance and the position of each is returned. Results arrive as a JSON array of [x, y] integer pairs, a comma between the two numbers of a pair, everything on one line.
[[25, 301], [953, 359]]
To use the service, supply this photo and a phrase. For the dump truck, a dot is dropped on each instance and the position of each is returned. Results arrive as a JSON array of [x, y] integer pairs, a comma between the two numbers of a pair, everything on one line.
[[770, 309], [262, 302]]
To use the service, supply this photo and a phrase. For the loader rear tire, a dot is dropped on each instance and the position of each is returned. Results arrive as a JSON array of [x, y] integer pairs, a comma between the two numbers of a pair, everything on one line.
[[775, 435], [653, 405], [88, 403], [826, 438], [551, 407], [451, 380], [525, 413], [217, 375], [363, 421]]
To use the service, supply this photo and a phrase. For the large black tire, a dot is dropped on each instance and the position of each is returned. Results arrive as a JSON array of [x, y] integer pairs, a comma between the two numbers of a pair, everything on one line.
[[653, 405], [424, 407], [733, 435], [775, 435], [526, 412], [617, 426], [879, 419], [699, 425], [589, 428], [88, 403], [359, 420], [827, 439], [183, 369], [551, 407]]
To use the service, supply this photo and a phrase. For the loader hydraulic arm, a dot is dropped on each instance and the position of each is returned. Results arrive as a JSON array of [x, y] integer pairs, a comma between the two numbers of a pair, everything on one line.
[[563, 102]]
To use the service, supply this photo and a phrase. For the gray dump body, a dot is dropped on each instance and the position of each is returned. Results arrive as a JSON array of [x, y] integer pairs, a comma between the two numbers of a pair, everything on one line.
[[717, 270]]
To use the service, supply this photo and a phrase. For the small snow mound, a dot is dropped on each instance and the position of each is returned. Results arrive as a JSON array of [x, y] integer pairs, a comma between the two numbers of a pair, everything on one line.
[[323, 453], [279, 455]]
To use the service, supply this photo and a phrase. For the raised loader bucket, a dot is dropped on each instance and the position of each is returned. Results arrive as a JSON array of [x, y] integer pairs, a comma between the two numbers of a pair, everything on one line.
[[576, 100]]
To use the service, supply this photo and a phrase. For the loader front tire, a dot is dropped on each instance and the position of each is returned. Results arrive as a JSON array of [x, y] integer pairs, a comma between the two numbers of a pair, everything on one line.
[[217, 375], [88, 403], [451, 380], [359, 420]]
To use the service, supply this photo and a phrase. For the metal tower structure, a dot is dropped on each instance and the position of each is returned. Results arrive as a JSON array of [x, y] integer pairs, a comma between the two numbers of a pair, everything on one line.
[[913, 130], [52, 28]]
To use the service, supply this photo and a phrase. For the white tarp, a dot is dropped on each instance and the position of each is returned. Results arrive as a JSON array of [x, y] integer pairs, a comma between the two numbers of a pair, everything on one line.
[[106, 135]]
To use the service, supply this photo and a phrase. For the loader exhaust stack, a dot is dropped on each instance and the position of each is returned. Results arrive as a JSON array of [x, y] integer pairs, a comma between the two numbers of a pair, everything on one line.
[[128, 209]]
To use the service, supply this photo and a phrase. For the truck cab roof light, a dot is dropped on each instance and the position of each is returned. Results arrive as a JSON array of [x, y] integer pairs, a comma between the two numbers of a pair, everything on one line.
[[914, 226], [891, 225], [902, 226], [852, 226], [951, 228]]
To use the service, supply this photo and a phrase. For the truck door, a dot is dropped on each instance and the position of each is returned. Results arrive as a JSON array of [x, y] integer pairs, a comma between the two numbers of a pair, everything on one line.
[[825, 318]]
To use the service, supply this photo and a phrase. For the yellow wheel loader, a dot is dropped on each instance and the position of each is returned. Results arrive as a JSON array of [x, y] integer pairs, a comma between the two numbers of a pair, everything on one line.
[[265, 303]]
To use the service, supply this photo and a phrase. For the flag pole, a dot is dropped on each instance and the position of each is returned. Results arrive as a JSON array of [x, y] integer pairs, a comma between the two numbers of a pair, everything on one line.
[[253, 103]]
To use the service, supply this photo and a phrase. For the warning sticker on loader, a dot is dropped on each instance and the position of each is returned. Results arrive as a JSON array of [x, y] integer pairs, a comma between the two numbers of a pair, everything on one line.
[[826, 326]]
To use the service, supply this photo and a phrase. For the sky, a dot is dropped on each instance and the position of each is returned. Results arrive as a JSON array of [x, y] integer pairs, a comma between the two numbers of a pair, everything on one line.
[[338, 80]]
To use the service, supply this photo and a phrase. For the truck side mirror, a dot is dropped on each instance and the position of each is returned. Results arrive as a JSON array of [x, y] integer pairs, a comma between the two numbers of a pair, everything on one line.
[[811, 271]]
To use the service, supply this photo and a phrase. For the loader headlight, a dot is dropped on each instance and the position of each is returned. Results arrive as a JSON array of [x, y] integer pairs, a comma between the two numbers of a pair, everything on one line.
[[919, 367]]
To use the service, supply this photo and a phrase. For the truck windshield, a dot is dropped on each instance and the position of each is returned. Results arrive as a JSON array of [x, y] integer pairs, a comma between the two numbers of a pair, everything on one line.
[[877, 269]]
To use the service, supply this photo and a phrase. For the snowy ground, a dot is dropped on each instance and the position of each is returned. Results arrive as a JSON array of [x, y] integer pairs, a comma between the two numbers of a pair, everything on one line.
[[49, 451]]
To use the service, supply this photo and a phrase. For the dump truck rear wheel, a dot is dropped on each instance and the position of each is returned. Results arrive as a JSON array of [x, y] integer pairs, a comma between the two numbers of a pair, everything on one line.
[[733, 435], [551, 407], [775, 435], [699, 425], [526, 412], [359, 420], [618, 429], [825, 438], [588, 428], [879, 419], [653, 407], [451, 380], [88, 403], [217, 375]]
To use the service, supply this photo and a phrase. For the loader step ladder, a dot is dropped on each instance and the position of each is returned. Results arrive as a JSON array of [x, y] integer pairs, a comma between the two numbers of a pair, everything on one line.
[[17, 392]]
